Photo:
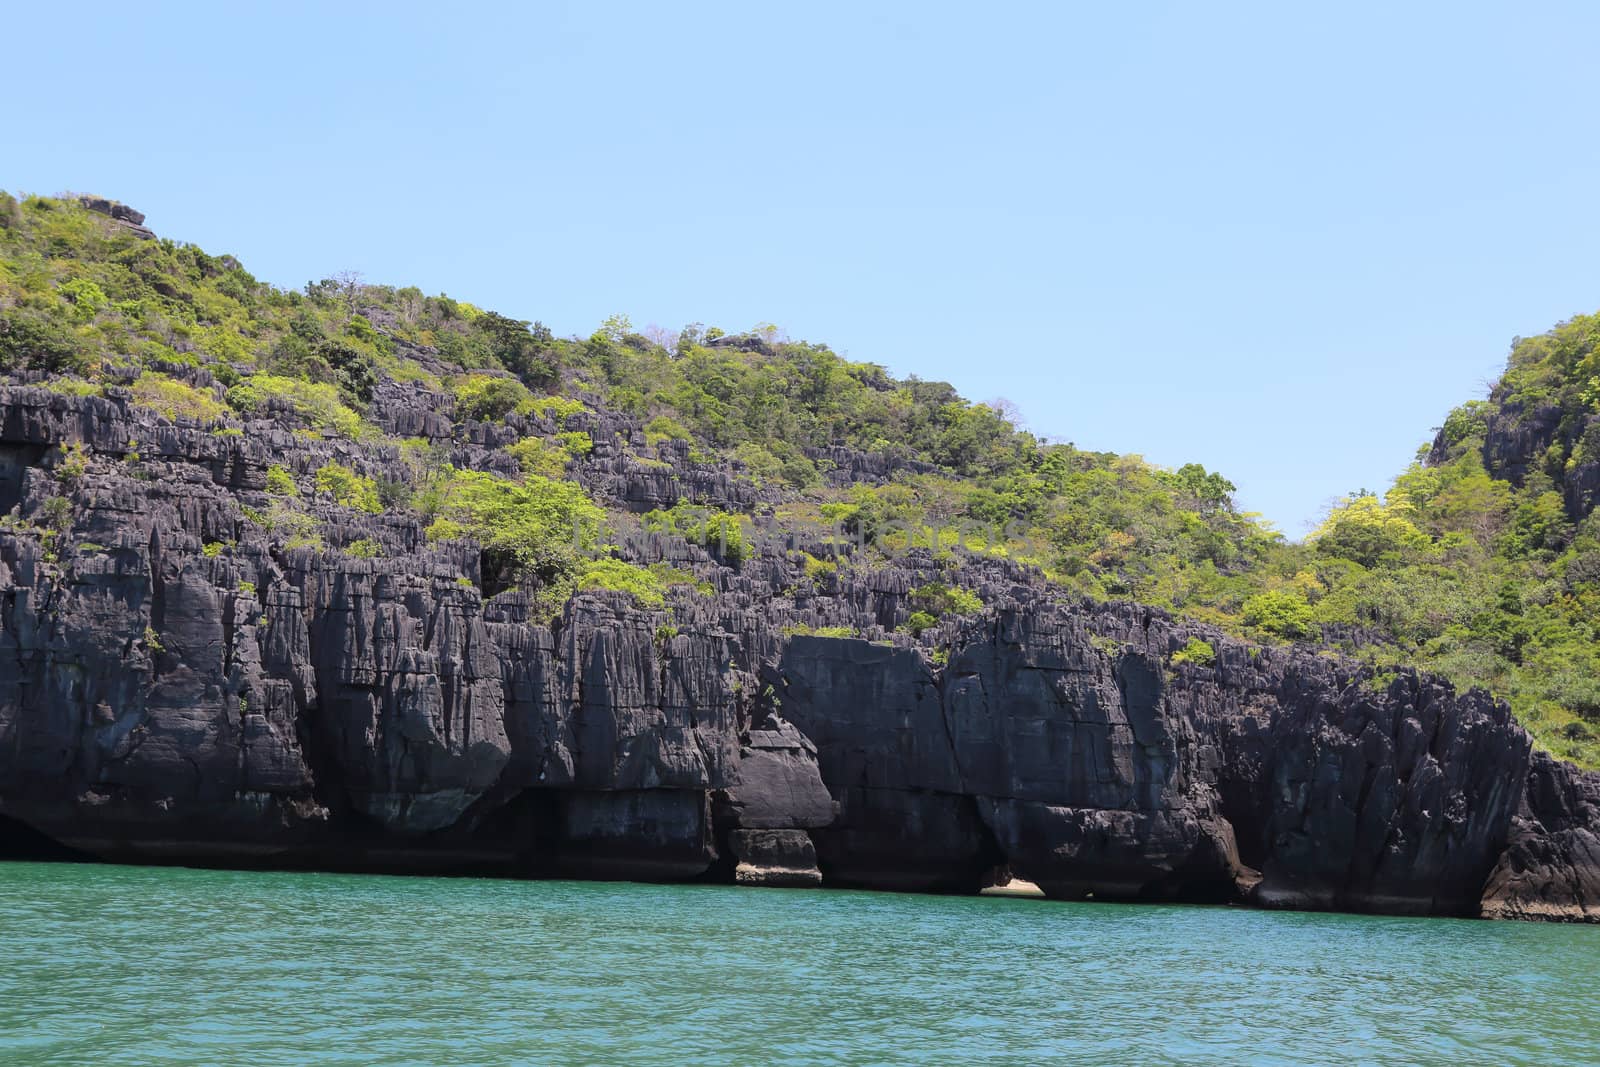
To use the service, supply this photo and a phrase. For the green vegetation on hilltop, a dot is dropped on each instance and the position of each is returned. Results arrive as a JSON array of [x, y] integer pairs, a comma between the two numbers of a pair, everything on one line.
[[1480, 562]]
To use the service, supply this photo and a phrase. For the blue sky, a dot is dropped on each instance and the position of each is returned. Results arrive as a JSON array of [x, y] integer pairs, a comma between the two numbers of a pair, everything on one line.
[[1277, 240]]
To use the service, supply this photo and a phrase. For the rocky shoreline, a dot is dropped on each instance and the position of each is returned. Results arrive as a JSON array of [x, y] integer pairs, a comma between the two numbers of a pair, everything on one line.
[[176, 686]]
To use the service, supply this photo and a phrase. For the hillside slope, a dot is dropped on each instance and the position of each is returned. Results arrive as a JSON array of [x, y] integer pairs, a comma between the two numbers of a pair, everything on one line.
[[355, 576]]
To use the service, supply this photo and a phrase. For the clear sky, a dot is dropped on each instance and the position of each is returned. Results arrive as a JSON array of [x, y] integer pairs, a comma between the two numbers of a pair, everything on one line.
[[1277, 239]]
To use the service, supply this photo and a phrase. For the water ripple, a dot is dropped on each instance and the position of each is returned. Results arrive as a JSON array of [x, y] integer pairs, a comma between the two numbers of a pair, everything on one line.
[[130, 965]]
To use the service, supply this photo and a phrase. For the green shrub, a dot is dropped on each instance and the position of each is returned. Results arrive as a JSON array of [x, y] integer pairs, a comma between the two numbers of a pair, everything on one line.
[[1369, 532], [801, 473], [1195, 651], [280, 482], [920, 621], [32, 339], [73, 463], [292, 526], [665, 428], [173, 399], [643, 585], [348, 488], [801, 630], [538, 456], [816, 568], [577, 443], [938, 599], [559, 408], [364, 548], [315, 403], [1282, 614], [669, 576], [716, 530], [538, 528], [72, 387], [487, 397]]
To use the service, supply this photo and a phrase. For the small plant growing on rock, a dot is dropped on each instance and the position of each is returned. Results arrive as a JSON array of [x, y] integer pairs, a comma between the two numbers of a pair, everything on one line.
[[577, 443], [280, 482], [816, 568], [172, 399], [644, 586], [73, 464], [1197, 652], [348, 488], [937, 599], [315, 403], [802, 630]]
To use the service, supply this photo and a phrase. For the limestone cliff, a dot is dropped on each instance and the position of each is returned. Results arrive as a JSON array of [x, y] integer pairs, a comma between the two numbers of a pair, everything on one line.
[[177, 683]]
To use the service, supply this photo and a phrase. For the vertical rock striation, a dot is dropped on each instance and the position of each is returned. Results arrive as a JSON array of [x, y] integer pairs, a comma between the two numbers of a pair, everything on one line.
[[175, 686]]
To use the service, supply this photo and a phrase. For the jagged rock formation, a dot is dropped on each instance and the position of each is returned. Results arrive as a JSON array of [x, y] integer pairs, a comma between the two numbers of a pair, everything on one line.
[[122, 213], [181, 680], [254, 703]]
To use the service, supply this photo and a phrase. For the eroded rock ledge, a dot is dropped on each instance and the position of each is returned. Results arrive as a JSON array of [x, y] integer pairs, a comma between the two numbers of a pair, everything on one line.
[[300, 707]]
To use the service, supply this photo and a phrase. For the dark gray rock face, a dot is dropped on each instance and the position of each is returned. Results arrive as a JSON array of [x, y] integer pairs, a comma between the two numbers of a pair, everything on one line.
[[181, 679], [1551, 866]]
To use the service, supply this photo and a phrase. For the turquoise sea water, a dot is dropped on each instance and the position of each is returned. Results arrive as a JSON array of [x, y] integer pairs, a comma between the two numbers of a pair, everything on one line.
[[136, 965]]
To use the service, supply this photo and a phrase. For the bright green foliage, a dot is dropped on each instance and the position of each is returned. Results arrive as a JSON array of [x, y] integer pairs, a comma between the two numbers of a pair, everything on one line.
[[538, 456], [559, 408], [640, 582], [1281, 613], [348, 488], [1197, 652], [72, 387], [1487, 581], [537, 529], [1370, 533], [665, 428], [816, 568], [293, 527], [576, 443], [173, 399], [316, 404], [940, 600], [1457, 568], [364, 548], [488, 398], [280, 482], [920, 621], [73, 462], [716, 530], [819, 631]]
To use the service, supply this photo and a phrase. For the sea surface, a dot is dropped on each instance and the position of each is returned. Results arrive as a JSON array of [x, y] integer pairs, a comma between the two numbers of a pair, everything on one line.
[[142, 965]]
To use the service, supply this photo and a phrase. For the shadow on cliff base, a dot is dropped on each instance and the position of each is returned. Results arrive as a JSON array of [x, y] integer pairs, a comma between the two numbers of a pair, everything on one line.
[[19, 841]]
